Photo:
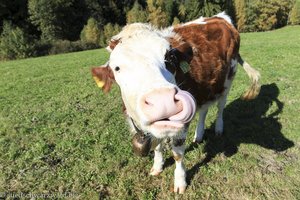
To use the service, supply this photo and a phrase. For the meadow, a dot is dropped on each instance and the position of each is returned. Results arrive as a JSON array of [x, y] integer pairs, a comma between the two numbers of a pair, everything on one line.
[[59, 134]]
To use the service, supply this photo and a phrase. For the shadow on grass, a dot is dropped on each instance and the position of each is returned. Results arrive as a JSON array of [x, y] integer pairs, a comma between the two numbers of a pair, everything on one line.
[[248, 122]]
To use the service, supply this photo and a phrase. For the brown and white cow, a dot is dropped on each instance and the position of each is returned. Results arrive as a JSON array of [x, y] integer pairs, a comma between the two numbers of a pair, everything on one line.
[[164, 75]]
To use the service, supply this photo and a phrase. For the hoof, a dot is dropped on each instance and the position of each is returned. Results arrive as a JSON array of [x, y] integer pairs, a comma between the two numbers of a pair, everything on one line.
[[155, 172], [179, 190], [219, 133]]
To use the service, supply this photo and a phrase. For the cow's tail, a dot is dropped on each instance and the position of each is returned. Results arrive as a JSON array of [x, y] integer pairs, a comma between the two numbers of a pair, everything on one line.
[[254, 76]]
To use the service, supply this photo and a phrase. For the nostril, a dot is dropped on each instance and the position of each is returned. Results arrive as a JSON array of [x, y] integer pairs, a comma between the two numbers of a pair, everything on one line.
[[148, 102]]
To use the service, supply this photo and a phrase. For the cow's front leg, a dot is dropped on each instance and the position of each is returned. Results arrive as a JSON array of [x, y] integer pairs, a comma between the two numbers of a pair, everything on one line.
[[178, 149], [201, 124], [158, 160]]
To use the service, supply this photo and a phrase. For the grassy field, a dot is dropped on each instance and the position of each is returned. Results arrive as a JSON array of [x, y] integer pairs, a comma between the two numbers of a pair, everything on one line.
[[60, 134]]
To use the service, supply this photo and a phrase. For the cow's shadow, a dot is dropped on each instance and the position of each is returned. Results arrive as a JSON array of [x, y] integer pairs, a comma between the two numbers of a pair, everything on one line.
[[246, 122]]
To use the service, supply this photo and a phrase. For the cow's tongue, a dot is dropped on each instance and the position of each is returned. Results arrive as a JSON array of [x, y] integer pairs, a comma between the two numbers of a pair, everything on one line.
[[188, 107]]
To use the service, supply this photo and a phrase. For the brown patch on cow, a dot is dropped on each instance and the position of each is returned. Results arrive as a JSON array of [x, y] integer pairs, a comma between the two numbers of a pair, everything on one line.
[[113, 43], [104, 77], [214, 45]]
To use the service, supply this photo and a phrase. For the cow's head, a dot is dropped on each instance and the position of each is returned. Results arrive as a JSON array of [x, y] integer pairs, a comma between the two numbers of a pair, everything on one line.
[[149, 91]]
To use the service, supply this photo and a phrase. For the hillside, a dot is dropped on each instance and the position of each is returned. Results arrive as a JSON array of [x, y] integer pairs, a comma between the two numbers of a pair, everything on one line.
[[60, 134]]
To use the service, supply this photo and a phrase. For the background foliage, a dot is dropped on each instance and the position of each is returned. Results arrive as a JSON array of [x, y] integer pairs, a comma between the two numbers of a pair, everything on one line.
[[295, 14], [39, 25], [14, 42]]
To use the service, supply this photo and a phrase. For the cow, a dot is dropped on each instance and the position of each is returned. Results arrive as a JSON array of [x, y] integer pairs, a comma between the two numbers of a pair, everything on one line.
[[166, 75]]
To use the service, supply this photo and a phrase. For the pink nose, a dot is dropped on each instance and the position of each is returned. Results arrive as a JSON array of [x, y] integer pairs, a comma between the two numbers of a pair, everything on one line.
[[168, 104]]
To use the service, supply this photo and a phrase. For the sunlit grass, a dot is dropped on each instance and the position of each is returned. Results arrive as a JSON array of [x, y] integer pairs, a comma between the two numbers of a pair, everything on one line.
[[59, 133]]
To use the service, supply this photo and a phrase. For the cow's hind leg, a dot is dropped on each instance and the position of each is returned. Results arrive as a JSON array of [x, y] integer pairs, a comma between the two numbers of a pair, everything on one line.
[[157, 167], [222, 102], [178, 149], [201, 123], [219, 121]]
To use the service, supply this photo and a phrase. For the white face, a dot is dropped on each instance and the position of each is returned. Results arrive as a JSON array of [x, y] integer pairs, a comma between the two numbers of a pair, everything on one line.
[[148, 89]]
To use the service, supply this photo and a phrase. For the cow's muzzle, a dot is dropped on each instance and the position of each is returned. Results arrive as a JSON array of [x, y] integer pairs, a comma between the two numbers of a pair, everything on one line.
[[166, 107]]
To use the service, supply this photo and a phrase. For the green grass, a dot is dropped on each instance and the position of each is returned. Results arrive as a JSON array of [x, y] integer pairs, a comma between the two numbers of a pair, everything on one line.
[[59, 133]]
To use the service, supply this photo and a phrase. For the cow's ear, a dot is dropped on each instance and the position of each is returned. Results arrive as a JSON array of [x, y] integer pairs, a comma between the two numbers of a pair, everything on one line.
[[178, 55], [112, 44], [183, 52], [104, 77]]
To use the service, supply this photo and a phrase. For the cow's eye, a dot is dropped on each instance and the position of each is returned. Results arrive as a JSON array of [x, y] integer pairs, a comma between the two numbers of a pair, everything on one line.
[[117, 68]]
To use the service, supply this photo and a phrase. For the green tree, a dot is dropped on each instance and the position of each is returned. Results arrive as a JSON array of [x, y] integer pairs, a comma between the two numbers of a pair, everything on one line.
[[171, 9], [108, 31], [14, 43], [176, 21], [90, 32], [157, 15], [240, 10], [192, 10], [136, 14], [295, 14], [109, 11], [57, 19], [14, 11], [42, 14], [181, 11], [271, 14], [210, 7]]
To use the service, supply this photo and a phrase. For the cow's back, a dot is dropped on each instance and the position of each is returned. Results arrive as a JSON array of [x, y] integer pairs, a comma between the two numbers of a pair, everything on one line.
[[214, 45]]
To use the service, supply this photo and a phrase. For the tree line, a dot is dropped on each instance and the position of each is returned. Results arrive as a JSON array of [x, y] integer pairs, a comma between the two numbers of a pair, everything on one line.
[[41, 27]]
